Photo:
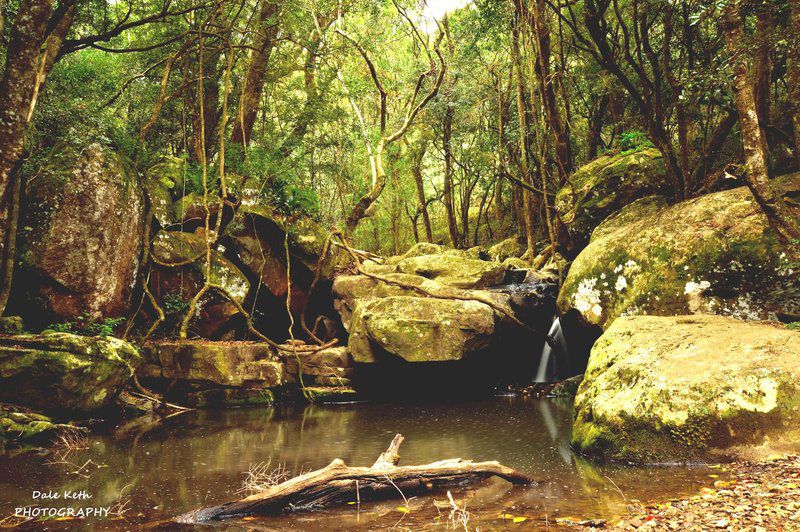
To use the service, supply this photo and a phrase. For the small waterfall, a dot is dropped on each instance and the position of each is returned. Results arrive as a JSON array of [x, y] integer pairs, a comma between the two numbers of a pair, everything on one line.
[[554, 344]]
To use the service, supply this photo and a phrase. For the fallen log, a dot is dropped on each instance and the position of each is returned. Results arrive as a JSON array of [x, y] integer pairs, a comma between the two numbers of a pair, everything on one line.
[[338, 483]]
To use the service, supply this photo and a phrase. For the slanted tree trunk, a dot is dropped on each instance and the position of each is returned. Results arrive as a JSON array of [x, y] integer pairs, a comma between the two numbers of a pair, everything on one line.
[[756, 170], [264, 43]]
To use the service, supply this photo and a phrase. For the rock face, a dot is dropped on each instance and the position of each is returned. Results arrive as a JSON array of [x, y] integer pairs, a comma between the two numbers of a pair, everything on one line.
[[454, 271], [607, 184], [64, 373], [711, 254], [82, 236], [419, 329], [20, 426], [680, 388], [510, 248], [182, 282], [161, 182], [214, 373]]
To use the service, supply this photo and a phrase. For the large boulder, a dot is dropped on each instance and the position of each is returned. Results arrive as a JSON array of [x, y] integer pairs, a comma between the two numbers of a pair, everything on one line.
[[665, 389], [713, 254], [81, 236], [420, 329], [180, 271], [510, 248], [64, 373], [454, 271], [605, 185]]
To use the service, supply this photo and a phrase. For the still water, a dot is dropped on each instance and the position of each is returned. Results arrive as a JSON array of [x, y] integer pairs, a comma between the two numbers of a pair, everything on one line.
[[160, 470]]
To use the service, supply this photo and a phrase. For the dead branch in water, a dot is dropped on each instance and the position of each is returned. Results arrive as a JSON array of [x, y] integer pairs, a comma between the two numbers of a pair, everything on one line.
[[339, 483]]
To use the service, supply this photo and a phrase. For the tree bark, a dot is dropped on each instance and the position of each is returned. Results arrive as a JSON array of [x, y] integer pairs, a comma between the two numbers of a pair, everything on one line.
[[449, 200], [754, 144], [267, 34], [793, 75], [416, 170]]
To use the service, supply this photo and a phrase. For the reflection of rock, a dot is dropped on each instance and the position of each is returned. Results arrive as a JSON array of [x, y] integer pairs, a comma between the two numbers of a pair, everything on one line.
[[81, 237], [62, 372], [676, 388], [714, 253]]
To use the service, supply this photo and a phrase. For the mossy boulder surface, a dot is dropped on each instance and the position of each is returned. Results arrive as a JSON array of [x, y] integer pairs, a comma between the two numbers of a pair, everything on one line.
[[20, 426], [162, 182], [455, 271], [81, 236], [61, 372], [711, 254], [680, 388], [607, 184], [510, 248], [419, 329]]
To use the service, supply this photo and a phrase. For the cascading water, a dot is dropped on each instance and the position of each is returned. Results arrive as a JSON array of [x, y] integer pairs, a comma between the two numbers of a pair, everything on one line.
[[555, 348]]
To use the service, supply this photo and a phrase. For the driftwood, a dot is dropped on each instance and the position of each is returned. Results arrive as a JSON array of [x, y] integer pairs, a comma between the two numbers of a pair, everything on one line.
[[339, 483]]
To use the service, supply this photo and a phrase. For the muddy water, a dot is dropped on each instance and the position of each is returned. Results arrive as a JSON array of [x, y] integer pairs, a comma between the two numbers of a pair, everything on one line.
[[199, 458]]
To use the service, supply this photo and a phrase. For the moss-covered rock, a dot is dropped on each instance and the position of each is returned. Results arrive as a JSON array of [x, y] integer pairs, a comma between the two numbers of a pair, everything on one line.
[[419, 329], [681, 388], [81, 236], [187, 253], [423, 248], [11, 325], [607, 184], [455, 271], [20, 426], [714, 254], [510, 248], [61, 372], [162, 182]]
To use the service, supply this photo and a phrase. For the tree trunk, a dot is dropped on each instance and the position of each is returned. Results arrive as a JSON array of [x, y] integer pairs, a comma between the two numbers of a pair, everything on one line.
[[264, 42], [416, 170], [777, 211], [596, 117], [527, 199], [449, 202], [793, 75]]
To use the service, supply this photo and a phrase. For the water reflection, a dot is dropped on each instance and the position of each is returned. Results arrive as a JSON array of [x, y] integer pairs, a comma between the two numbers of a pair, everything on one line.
[[199, 458]]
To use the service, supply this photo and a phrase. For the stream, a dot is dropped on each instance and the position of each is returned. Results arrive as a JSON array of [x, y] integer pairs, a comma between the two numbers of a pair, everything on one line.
[[160, 470]]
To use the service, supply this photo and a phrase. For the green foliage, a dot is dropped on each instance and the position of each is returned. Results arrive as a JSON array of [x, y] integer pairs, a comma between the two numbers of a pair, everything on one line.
[[87, 325], [634, 140]]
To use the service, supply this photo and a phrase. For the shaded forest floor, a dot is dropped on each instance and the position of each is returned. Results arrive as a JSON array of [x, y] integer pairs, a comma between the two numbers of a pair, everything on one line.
[[746, 496]]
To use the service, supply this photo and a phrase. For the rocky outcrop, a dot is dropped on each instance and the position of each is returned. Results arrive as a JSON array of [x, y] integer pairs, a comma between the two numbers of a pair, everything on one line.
[[510, 248], [713, 254], [162, 182], [332, 366], [605, 185], [419, 329], [685, 387], [64, 373], [208, 374], [454, 271], [81, 236], [179, 273]]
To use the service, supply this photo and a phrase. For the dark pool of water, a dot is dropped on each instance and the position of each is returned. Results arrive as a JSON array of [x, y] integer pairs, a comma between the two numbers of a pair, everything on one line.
[[199, 458]]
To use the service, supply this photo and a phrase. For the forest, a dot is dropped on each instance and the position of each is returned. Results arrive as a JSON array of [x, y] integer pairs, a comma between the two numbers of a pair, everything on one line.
[[591, 206]]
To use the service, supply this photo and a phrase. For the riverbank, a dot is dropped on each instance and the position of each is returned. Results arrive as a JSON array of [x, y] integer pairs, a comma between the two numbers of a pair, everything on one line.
[[753, 496]]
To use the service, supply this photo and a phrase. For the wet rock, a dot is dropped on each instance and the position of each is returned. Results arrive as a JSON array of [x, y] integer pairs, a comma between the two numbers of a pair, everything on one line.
[[182, 282], [567, 388], [162, 181], [61, 372], [454, 271], [607, 184], [683, 387], [419, 329], [81, 237], [711, 254]]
